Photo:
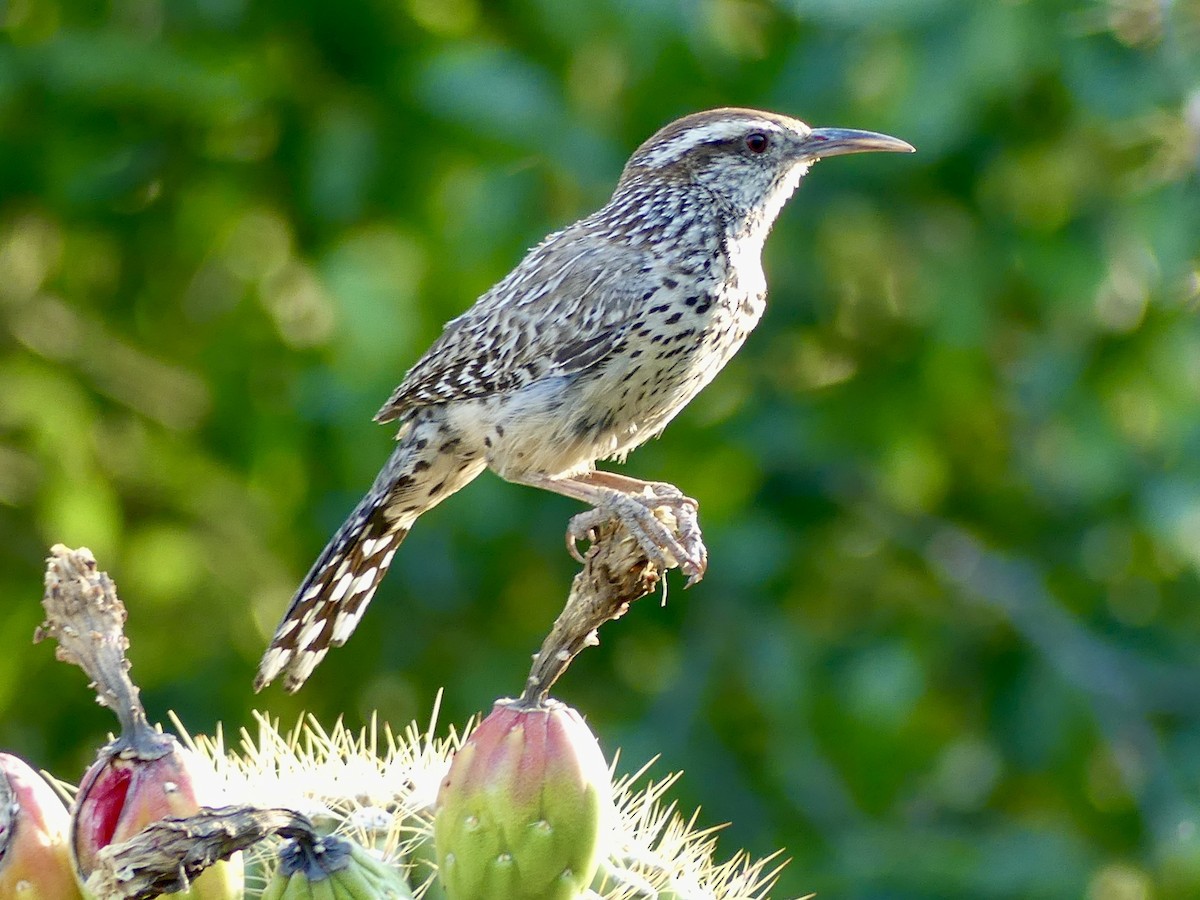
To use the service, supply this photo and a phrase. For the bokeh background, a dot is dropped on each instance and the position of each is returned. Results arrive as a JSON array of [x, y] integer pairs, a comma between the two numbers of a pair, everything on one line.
[[949, 644]]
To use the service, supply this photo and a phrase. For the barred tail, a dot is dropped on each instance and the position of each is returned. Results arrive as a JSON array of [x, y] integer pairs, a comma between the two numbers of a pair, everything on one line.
[[430, 463], [334, 595]]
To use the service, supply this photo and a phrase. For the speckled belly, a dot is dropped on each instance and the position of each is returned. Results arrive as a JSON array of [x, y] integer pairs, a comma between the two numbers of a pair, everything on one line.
[[562, 426]]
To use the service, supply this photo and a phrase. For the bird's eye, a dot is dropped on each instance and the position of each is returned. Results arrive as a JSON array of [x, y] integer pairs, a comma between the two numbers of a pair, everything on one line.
[[757, 142]]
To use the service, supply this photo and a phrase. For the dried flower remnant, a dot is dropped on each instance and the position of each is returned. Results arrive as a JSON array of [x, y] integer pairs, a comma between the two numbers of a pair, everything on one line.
[[308, 864], [143, 775]]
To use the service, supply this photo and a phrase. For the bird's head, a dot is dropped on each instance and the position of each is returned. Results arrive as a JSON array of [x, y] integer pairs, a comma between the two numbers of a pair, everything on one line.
[[750, 160]]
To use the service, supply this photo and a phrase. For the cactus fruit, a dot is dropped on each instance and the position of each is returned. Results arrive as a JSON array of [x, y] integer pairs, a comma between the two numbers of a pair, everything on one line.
[[123, 792], [522, 809], [35, 862], [333, 868]]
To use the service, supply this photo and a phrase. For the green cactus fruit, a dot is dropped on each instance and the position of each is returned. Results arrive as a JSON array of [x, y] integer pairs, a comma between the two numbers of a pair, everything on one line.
[[124, 791], [35, 861], [522, 810], [335, 867]]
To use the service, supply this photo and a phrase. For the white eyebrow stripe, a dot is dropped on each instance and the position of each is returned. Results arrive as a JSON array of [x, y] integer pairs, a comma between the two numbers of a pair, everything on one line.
[[709, 132]]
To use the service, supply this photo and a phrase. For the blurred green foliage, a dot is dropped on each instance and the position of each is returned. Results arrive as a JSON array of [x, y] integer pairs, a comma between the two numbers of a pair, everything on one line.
[[951, 488]]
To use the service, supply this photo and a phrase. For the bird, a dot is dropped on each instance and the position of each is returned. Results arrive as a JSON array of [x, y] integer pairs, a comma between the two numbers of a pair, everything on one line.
[[587, 349]]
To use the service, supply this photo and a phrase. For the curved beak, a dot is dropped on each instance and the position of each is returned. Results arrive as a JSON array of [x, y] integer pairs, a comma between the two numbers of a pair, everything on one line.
[[822, 142]]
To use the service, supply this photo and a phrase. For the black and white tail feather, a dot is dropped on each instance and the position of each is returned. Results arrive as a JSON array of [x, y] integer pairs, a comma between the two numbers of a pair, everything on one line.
[[429, 464], [334, 595]]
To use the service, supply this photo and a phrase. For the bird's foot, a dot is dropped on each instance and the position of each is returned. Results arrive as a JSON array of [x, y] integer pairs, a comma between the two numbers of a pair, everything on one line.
[[661, 519]]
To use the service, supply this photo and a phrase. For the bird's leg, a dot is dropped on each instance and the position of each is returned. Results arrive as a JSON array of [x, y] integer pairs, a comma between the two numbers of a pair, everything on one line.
[[633, 503], [627, 485]]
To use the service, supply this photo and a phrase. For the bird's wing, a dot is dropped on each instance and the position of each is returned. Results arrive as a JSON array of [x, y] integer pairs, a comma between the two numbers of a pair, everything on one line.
[[565, 308]]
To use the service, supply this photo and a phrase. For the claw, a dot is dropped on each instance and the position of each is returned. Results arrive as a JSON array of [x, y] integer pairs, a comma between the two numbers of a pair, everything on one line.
[[696, 553], [573, 547], [581, 528], [661, 519]]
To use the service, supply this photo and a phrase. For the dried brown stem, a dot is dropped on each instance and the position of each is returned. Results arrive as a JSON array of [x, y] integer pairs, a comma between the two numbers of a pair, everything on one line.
[[615, 573], [87, 618], [166, 855]]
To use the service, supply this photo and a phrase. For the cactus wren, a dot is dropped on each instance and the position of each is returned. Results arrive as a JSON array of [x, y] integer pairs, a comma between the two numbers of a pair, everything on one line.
[[586, 350]]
